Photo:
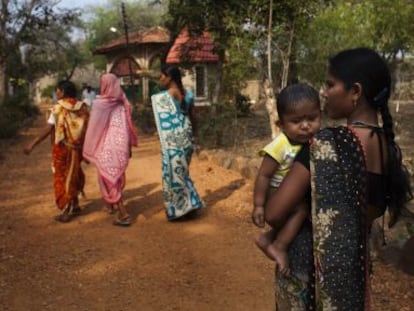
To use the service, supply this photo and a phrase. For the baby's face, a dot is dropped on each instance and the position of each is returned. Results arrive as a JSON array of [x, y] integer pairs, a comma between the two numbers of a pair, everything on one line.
[[300, 124]]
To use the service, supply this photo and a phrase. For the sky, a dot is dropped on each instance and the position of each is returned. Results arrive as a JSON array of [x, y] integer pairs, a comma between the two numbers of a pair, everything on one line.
[[80, 3]]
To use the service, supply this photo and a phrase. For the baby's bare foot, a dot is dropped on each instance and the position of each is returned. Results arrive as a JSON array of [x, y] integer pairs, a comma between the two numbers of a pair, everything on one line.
[[263, 242], [281, 257]]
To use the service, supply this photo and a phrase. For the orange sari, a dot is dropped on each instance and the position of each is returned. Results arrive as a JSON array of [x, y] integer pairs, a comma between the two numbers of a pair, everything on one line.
[[71, 118]]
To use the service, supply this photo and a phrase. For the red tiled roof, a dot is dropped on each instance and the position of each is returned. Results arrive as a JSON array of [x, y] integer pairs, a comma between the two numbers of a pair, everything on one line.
[[192, 49], [151, 35]]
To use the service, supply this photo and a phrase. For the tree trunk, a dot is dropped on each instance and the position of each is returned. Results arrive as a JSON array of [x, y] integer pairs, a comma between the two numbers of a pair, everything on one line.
[[270, 100], [269, 43], [217, 88], [3, 86], [270, 104], [4, 48], [286, 58], [32, 92]]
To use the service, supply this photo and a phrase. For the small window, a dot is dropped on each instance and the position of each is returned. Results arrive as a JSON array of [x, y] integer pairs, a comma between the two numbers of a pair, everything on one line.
[[200, 78]]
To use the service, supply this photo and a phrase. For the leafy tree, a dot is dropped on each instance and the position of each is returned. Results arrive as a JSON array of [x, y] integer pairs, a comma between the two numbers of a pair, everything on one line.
[[139, 15], [380, 24], [342, 26], [282, 22], [21, 23], [393, 26], [227, 21]]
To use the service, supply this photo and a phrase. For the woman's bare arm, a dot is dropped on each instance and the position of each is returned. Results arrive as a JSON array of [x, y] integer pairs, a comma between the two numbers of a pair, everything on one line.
[[291, 192], [193, 120], [45, 133]]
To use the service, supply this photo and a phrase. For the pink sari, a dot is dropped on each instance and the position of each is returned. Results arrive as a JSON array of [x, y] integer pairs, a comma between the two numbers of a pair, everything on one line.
[[109, 138]]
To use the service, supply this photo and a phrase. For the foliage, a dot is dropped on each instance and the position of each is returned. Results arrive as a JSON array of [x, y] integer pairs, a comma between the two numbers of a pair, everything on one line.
[[235, 37], [13, 114], [242, 63], [393, 27], [32, 33], [218, 125], [57, 55], [48, 91], [243, 105], [38, 36], [22, 22], [348, 24], [410, 229], [144, 119], [139, 15], [291, 19]]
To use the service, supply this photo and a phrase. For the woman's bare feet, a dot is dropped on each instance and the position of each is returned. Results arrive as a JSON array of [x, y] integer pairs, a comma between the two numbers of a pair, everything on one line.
[[123, 219], [110, 208], [75, 209], [65, 216]]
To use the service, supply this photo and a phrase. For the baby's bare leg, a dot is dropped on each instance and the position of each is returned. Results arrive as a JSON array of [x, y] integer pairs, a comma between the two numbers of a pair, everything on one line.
[[264, 240], [286, 235]]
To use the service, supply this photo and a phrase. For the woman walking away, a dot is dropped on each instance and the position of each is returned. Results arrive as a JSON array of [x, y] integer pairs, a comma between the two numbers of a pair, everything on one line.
[[357, 173], [108, 143], [67, 125], [173, 113]]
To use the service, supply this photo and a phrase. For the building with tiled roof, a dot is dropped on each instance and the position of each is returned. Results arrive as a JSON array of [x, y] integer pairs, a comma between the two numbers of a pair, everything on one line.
[[138, 60], [189, 49], [156, 36]]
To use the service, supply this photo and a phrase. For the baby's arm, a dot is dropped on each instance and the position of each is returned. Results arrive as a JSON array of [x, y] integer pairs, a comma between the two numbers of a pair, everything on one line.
[[261, 185], [290, 193]]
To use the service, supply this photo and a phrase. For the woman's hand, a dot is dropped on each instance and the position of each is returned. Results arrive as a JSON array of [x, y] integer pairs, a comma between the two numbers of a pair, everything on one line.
[[28, 149]]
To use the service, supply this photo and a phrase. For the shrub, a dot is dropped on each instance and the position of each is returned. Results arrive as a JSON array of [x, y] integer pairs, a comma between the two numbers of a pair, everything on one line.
[[243, 105], [218, 125], [14, 111], [48, 91]]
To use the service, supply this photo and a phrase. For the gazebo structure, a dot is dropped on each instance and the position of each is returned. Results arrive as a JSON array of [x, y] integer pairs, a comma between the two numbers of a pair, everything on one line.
[[194, 55], [137, 58]]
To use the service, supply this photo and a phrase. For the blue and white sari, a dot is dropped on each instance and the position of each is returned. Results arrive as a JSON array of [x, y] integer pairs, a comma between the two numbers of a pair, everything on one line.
[[175, 132]]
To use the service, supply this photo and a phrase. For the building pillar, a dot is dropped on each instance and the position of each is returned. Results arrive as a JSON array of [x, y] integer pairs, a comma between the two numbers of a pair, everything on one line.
[[145, 90]]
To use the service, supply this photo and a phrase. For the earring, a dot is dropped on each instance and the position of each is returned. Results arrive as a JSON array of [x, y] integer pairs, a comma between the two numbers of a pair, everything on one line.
[[354, 103]]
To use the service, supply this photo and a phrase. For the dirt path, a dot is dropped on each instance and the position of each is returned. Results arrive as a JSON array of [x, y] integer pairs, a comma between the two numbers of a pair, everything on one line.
[[208, 263]]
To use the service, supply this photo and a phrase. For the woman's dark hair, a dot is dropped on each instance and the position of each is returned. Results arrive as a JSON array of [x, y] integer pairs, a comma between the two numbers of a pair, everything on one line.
[[174, 73], [367, 67], [293, 95], [68, 88]]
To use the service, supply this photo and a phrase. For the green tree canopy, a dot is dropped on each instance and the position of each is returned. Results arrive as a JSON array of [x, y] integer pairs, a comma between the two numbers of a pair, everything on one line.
[[380, 24], [27, 24], [140, 14]]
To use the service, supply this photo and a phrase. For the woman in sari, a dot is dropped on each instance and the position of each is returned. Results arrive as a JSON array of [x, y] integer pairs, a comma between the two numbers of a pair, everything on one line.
[[356, 173], [67, 125], [108, 142], [173, 112]]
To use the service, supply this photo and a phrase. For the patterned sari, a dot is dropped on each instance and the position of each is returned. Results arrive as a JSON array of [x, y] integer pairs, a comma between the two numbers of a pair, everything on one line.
[[109, 138], [340, 256], [175, 132], [297, 292], [339, 220], [71, 119]]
